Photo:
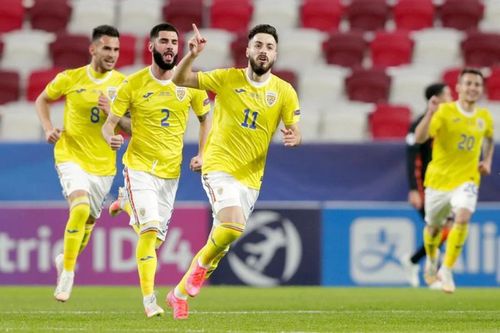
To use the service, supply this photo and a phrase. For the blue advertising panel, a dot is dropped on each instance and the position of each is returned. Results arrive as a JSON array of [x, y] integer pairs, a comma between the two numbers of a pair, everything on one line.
[[364, 242], [279, 247]]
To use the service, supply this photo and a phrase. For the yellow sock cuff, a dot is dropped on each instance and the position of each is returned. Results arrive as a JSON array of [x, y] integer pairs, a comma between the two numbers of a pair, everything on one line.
[[226, 233], [431, 243]]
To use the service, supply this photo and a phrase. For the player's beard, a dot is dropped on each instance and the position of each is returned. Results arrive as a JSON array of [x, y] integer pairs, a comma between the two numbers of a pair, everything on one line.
[[158, 59], [260, 69]]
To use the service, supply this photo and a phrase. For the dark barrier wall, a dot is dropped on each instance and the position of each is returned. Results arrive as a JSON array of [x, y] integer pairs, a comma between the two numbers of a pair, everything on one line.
[[374, 171]]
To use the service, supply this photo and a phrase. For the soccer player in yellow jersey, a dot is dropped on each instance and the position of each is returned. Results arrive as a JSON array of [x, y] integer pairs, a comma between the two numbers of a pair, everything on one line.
[[159, 112], [249, 106], [85, 163], [462, 132]]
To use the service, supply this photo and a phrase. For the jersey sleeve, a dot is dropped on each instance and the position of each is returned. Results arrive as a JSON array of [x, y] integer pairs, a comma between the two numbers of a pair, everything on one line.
[[122, 101], [200, 102], [436, 122], [59, 86], [213, 80], [290, 111]]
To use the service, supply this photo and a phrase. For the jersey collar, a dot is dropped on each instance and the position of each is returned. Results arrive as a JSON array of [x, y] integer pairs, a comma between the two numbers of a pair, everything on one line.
[[465, 113], [257, 84], [162, 82], [96, 80]]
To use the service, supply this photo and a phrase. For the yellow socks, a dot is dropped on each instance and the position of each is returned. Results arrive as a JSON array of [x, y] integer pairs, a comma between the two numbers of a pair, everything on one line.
[[127, 208], [455, 243], [431, 244], [221, 237], [86, 236], [146, 261], [75, 231]]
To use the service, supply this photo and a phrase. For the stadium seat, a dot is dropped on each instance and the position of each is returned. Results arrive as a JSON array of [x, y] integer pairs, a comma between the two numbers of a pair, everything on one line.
[[231, 15], [88, 14], [70, 51], [19, 122], [391, 49], [450, 77], [389, 122], [345, 122], [409, 83], [37, 81], [12, 14], [461, 14], [323, 15], [321, 85], [494, 108], [300, 48], [481, 49], [282, 14], [146, 55], [10, 89], [345, 49], [217, 52], [238, 49], [493, 84], [182, 13], [491, 19], [26, 50], [437, 47], [368, 15], [138, 17], [368, 85], [289, 76], [127, 50], [50, 15], [414, 14]]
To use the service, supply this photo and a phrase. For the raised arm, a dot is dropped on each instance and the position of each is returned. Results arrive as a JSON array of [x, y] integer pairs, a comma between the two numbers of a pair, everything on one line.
[[422, 130], [42, 106], [183, 74]]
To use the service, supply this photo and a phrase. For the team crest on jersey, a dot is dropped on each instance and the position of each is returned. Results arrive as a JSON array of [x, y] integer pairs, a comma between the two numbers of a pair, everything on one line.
[[480, 124], [271, 98], [112, 92], [180, 92]]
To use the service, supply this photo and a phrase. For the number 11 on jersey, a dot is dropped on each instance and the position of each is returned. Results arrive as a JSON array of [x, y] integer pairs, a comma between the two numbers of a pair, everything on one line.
[[249, 114]]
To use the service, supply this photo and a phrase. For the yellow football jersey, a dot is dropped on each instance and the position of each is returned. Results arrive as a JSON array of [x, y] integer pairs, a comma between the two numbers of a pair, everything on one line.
[[458, 138], [159, 112], [81, 140], [246, 115]]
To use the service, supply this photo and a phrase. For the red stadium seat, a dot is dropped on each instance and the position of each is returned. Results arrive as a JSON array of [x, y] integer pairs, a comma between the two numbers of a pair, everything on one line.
[[182, 13], [231, 15], [146, 55], [391, 49], [414, 14], [493, 84], [461, 14], [70, 51], [368, 85], [238, 47], [50, 15], [127, 50], [287, 75], [323, 15], [38, 80], [450, 77], [481, 49], [345, 49], [389, 122], [9, 86], [11, 14], [368, 15]]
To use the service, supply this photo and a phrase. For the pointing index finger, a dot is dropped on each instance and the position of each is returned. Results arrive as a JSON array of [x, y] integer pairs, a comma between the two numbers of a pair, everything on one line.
[[196, 31]]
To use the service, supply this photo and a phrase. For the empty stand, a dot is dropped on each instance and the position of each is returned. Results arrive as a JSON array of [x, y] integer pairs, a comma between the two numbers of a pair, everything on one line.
[[323, 15], [138, 17], [19, 122], [50, 15], [300, 47], [481, 49], [217, 51], [437, 48], [368, 85], [70, 51], [450, 77], [37, 81], [493, 84], [414, 14], [238, 48], [182, 13], [127, 50], [391, 49], [231, 15], [12, 14], [461, 14], [345, 122], [389, 122], [88, 14], [9, 86], [321, 85], [368, 15], [345, 49], [282, 14], [26, 50]]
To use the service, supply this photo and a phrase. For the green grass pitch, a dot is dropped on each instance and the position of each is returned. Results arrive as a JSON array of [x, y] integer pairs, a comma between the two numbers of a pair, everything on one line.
[[244, 309]]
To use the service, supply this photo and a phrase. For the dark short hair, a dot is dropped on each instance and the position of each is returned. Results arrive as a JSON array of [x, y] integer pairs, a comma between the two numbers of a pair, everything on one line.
[[104, 30], [469, 70], [434, 89], [263, 29], [155, 32]]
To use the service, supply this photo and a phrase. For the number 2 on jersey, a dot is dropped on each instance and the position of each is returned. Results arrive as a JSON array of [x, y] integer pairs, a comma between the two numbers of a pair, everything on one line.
[[164, 121], [253, 115]]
